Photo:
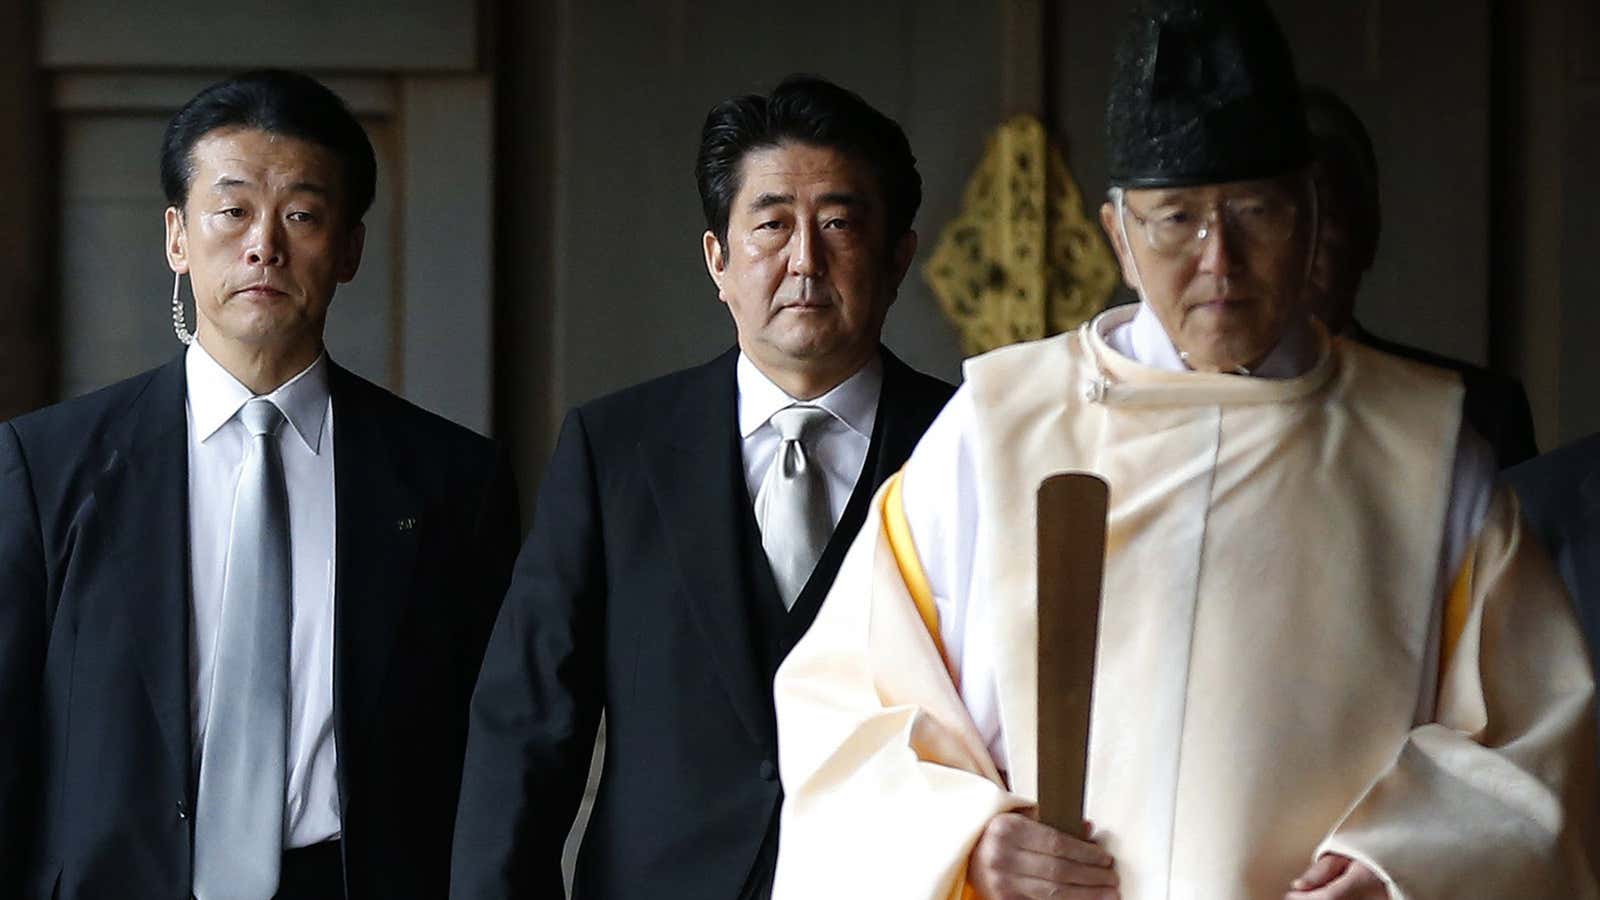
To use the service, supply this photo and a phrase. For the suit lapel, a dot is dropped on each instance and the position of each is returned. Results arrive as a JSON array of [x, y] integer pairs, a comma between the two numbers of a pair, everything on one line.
[[695, 473], [141, 503], [378, 519]]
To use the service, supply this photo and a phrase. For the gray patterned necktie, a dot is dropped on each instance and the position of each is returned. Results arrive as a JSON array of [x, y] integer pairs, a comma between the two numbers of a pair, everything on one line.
[[238, 840], [792, 504]]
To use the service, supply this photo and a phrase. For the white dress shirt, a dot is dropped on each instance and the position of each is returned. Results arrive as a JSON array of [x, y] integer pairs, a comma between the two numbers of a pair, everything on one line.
[[839, 447], [940, 497], [217, 441]]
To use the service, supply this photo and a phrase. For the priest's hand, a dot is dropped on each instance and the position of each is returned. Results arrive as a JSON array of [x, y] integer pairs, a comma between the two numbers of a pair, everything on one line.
[[1335, 877], [1017, 857]]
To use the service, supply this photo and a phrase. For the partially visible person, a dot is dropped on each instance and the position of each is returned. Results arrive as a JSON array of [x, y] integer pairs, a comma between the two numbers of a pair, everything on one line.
[[244, 596], [1560, 494], [1350, 224]]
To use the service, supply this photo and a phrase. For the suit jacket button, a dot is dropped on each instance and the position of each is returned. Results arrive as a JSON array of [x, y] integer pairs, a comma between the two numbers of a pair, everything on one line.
[[769, 771], [183, 810]]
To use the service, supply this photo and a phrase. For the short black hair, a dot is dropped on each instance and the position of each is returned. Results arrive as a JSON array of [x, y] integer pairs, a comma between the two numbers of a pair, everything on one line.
[[1349, 166], [279, 102], [805, 109]]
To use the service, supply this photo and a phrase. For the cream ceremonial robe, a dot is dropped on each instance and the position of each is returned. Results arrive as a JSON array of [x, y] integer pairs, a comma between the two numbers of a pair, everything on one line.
[[1279, 541]]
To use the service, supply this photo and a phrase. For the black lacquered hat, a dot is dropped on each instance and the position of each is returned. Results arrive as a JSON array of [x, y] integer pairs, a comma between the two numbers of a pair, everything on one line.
[[1202, 92]]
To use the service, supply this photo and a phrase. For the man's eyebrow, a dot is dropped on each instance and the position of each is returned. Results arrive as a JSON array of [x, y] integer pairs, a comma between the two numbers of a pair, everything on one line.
[[842, 198], [832, 198], [769, 200], [299, 187]]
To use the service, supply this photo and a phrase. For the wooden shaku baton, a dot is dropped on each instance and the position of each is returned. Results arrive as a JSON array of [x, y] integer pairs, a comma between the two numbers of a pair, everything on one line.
[[1072, 553]]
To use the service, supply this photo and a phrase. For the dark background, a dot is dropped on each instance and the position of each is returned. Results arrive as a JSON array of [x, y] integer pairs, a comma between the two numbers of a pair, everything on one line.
[[539, 225]]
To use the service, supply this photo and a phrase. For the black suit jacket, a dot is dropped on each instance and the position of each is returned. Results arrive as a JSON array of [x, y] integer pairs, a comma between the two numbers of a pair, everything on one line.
[[96, 782], [1495, 405], [1560, 494], [643, 592]]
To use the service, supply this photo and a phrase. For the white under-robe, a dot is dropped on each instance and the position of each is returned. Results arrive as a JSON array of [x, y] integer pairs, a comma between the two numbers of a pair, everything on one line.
[[1272, 625]]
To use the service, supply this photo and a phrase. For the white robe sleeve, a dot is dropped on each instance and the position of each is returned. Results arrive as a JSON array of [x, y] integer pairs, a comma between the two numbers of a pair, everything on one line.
[[1495, 797], [940, 500]]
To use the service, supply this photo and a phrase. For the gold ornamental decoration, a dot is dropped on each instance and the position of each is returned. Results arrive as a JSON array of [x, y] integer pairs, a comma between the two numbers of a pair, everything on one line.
[[1022, 260]]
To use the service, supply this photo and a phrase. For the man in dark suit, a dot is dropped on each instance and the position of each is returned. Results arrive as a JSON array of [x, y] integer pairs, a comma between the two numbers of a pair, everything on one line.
[[1560, 494], [688, 528], [244, 596], [1495, 405]]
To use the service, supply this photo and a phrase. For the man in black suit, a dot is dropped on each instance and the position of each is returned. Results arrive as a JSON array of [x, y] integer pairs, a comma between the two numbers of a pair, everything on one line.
[[244, 596], [1347, 243], [1560, 494], [688, 528]]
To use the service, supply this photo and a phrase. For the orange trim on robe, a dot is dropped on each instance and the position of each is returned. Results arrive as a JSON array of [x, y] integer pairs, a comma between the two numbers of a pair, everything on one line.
[[1457, 608], [898, 531]]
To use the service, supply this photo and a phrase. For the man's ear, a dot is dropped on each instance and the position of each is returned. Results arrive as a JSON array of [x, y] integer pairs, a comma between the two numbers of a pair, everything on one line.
[[905, 250], [355, 243], [177, 241], [716, 261], [1108, 222]]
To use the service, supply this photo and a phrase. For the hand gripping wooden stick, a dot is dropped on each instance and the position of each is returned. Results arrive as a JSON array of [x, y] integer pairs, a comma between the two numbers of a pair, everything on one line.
[[1072, 553]]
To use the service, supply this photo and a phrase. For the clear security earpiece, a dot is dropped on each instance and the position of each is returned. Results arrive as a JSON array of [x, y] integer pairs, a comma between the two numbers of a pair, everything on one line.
[[179, 327]]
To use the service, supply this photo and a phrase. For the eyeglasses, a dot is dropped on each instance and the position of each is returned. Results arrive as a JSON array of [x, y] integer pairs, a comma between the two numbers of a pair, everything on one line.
[[1177, 229]]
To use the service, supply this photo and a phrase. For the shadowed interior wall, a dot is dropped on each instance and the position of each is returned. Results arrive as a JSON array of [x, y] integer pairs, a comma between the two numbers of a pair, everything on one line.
[[1547, 207], [599, 105], [1580, 225], [28, 347]]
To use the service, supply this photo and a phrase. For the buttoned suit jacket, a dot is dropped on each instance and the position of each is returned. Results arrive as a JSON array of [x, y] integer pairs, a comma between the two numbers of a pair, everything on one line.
[[97, 782], [642, 591]]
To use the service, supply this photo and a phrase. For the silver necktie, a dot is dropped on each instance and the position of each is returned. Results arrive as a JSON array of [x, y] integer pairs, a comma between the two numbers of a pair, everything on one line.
[[792, 504], [238, 840]]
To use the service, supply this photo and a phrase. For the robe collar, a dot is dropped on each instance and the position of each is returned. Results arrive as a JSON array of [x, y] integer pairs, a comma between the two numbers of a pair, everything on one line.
[[1121, 377], [1145, 340]]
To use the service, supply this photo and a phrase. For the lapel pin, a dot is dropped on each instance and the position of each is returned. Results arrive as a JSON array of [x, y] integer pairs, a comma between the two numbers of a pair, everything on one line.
[[405, 524]]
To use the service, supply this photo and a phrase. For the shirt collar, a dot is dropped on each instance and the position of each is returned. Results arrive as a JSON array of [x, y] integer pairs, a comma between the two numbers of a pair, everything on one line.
[[1295, 353], [854, 401], [1151, 345], [215, 396]]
